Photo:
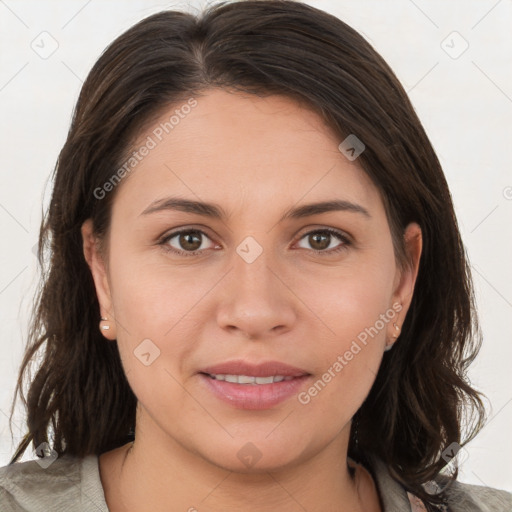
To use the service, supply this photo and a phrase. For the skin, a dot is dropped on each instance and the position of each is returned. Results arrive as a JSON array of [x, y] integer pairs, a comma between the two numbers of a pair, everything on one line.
[[256, 158]]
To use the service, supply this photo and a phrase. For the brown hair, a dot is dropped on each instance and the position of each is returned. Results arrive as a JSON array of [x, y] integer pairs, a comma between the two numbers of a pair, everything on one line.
[[421, 397]]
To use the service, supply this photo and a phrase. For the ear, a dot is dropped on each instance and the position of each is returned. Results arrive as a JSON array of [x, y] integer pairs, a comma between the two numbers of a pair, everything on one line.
[[99, 272], [405, 278]]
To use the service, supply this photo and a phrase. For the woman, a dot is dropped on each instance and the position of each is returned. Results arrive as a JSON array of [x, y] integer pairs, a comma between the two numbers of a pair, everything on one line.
[[257, 296]]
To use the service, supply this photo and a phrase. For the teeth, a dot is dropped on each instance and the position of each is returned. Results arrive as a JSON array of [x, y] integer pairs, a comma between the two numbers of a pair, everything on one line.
[[244, 379], [249, 379], [265, 380]]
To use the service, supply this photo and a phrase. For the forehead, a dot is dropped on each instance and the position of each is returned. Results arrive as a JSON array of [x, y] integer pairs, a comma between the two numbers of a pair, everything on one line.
[[230, 146]]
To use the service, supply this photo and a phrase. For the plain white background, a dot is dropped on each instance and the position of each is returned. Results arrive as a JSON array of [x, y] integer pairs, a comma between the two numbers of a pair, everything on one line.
[[453, 57]]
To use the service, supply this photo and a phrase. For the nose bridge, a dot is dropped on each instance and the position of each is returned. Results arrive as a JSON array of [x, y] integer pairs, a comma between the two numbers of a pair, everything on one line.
[[256, 300], [252, 268]]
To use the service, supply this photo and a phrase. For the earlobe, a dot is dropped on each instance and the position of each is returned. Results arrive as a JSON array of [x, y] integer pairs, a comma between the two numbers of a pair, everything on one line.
[[100, 277]]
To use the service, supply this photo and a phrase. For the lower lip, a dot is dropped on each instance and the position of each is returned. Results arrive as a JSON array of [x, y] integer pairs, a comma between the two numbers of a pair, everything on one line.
[[254, 396]]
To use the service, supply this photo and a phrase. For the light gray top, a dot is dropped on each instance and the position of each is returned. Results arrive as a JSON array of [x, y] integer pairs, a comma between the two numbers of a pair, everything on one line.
[[71, 484]]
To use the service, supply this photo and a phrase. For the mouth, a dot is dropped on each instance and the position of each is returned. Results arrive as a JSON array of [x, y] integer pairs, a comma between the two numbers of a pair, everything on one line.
[[248, 379], [253, 386], [241, 368]]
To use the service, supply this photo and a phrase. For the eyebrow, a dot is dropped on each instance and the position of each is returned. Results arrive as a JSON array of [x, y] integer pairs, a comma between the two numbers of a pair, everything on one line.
[[217, 212]]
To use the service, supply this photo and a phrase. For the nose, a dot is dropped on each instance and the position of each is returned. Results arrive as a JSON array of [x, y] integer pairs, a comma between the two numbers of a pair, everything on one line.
[[256, 301]]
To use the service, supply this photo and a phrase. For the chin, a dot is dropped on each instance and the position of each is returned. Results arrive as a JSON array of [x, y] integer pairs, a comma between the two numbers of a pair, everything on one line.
[[256, 457]]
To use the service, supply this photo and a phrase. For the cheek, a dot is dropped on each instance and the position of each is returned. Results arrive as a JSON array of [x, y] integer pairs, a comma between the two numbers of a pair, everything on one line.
[[354, 309], [350, 300], [348, 361], [150, 294], [154, 321]]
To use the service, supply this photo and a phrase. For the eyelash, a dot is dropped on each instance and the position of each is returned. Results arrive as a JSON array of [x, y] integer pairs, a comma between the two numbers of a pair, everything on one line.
[[344, 246]]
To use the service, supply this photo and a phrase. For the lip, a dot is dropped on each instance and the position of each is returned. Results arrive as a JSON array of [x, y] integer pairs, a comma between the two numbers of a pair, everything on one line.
[[254, 396], [266, 369]]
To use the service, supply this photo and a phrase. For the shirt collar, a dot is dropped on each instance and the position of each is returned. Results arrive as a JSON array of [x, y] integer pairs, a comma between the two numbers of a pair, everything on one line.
[[393, 496]]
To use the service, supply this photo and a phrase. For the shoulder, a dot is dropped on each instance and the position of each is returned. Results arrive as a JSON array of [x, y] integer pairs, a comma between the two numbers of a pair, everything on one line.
[[460, 497], [477, 498], [62, 484]]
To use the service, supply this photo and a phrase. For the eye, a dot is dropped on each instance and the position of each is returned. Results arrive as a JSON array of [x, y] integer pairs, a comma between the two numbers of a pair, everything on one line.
[[321, 239], [188, 242]]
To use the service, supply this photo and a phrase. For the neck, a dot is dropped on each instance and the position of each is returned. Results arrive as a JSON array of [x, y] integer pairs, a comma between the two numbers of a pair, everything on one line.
[[149, 474]]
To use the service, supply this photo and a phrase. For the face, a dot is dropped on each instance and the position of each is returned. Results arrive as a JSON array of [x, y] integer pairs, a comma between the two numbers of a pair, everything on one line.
[[312, 292]]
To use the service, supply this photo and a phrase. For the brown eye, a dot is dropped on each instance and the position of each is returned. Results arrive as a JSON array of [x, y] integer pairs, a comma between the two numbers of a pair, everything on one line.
[[187, 242], [321, 241], [190, 240]]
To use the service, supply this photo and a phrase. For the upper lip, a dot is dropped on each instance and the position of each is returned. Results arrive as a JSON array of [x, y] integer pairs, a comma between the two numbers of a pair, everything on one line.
[[266, 369]]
